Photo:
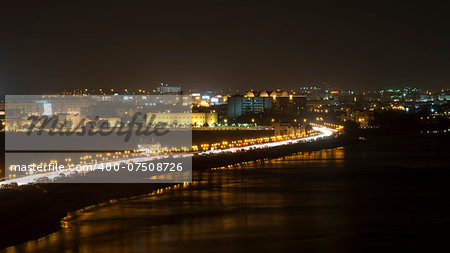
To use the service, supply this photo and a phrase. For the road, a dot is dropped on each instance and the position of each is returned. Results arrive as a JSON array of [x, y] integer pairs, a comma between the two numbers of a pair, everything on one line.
[[31, 179]]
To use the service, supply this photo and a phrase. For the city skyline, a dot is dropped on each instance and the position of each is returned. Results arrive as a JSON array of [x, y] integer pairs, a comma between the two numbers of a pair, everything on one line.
[[224, 126]]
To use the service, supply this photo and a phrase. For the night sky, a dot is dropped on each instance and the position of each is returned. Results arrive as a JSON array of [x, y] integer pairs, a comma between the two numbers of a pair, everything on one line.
[[50, 45]]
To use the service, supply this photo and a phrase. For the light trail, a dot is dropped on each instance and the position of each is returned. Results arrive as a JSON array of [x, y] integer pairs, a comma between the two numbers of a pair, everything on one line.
[[325, 132], [31, 179], [68, 172]]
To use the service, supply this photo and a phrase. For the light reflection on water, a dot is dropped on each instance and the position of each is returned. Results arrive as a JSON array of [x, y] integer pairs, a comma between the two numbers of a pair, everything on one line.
[[311, 201]]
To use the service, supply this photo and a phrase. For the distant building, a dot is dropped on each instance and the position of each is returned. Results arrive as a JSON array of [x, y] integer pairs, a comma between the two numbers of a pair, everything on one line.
[[220, 110], [363, 118], [208, 99], [2, 116], [166, 89], [2, 108], [313, 92], [278, 102], [288, 129], [196, 119], [204, 119], [239, 105], [444, 95], [290, 105]]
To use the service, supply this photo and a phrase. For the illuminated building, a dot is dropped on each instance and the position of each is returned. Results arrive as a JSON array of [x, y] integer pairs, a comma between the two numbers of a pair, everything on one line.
[[238, 105], [363, 118], [196, 119], [278, 102], [288, 129], [290, 105], [166, 89]]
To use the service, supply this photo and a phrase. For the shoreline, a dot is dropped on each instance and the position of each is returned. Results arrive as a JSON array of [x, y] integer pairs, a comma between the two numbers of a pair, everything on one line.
[[45, 206]]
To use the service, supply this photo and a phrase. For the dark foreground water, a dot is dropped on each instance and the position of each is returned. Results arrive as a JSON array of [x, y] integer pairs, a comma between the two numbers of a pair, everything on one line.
[[389, 195]]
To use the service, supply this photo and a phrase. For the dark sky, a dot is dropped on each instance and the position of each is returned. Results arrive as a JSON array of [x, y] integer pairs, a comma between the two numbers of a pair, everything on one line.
[[221, 44]]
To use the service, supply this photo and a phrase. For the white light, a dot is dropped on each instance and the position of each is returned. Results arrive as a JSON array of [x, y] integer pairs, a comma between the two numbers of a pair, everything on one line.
[[47, 109]]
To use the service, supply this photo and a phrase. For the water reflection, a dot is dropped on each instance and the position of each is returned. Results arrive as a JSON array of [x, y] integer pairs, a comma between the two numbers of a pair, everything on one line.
[[314, 201]]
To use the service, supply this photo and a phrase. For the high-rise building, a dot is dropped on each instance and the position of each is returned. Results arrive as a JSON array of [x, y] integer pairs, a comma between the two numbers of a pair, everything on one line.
[[291, 105], [277, 102], [238, 105]]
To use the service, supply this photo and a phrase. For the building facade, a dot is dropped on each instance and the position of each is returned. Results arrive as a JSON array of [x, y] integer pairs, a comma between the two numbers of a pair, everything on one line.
[[278, 102], [195, 119], [291, 105], [239, 105]]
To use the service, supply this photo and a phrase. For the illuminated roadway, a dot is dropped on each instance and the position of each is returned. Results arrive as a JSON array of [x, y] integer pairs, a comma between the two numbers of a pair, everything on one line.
[[325, 132]]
